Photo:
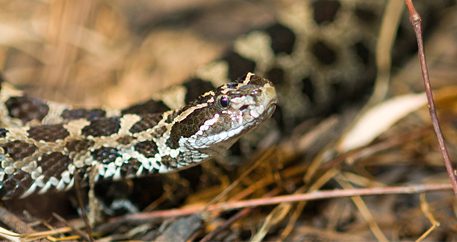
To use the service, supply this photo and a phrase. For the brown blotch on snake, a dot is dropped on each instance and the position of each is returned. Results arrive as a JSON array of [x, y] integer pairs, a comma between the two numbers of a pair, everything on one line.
[[105, 154], [26, 108], [19, 150], [54, 164], [282, 38], [102, 127], [146, 122], [147, 148], [48, 133], [78, 145], [89, 114], [16, 184]]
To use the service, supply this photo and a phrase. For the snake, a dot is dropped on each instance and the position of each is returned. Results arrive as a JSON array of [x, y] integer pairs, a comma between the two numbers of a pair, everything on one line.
[[317, 57], [48, 156]]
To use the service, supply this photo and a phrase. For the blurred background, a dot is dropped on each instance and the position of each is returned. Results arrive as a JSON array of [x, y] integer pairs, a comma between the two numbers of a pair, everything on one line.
[[94, 52]]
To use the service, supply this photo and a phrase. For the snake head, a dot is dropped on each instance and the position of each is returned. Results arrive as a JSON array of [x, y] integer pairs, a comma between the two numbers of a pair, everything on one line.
[[218, 118]]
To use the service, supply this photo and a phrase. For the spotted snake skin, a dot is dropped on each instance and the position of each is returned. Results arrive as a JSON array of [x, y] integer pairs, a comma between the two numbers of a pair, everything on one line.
[[319, 55], [48, 157]]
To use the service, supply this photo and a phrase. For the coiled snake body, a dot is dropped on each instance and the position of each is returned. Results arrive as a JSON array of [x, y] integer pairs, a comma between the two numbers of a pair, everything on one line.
[[48, 157]]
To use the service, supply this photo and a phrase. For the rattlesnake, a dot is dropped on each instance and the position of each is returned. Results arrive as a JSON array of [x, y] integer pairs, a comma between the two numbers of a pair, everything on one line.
[[49, 156], [317, 54]]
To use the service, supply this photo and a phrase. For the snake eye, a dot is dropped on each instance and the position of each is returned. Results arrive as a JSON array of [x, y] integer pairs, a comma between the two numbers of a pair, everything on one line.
[[224, 101]]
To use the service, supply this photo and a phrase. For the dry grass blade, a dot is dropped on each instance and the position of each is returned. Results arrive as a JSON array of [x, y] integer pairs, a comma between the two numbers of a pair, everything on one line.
[[425, 207], [364, 211]]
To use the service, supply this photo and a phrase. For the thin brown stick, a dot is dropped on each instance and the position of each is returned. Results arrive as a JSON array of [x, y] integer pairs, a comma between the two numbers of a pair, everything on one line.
[[416, 21], [15, 223], [79, 232], [81, 205], [241, 214], [286, 198]]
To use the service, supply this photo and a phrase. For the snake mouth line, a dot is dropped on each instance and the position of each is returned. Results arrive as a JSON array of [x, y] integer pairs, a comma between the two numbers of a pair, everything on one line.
[[271, 109]]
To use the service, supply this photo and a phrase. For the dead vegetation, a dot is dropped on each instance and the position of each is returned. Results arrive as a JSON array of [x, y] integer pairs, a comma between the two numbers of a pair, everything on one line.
[[118, 52]]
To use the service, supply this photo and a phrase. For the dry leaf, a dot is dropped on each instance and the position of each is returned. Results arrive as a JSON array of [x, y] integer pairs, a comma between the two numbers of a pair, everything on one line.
[[380, 118]]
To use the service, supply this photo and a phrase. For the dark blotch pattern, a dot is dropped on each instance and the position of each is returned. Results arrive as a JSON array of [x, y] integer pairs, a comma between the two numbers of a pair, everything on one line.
[[130, 168], [160, 131], [364, 53], [148, 107], [308, 89], [146, 122], [102, 127], [324, 53], [257, 80], [190, 125], [325, 11], [367, 57], [276, 75], [238, 65], [282, 38], [15, 185], [365, 15], [105, 154], [125, 140], [201, 99], [53, 164], [147, 148], [26, 108], [90, 114], [195, 87], [49, 133], [18, 150], [78, 145], [3, 132]]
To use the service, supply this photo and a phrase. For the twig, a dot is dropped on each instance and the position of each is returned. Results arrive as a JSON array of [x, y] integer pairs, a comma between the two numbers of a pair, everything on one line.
[[83, 235], [14, 222], [81, 205], [243, 213], [286, 198], [425, 207], [416, 21]]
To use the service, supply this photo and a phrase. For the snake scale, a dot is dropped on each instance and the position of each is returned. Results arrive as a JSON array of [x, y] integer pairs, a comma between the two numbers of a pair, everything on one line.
[[318, 55]]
